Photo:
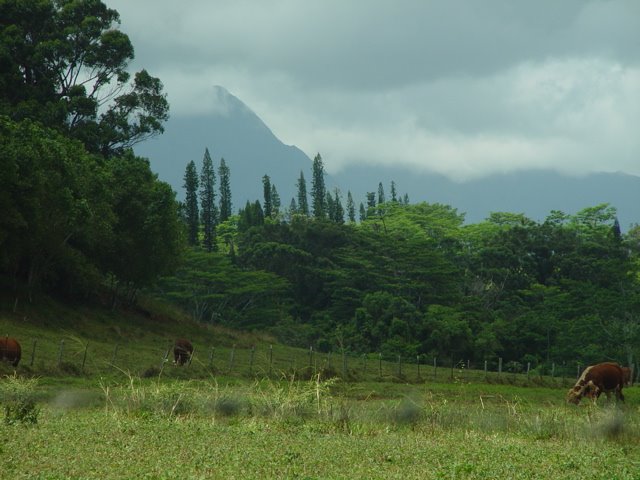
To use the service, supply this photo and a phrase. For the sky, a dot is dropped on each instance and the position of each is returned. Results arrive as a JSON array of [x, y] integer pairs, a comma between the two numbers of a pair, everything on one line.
[[464, 88]]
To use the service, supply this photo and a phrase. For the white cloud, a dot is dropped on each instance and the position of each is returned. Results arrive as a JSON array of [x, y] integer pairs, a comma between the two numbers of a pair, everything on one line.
[[462, 88]]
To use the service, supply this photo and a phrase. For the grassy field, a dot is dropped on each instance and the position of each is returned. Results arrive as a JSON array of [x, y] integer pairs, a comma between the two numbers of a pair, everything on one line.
[[259, 410], [225, 428]]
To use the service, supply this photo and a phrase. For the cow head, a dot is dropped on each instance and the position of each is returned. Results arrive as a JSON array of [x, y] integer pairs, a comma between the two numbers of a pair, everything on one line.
[[583, 389], [577, 392]]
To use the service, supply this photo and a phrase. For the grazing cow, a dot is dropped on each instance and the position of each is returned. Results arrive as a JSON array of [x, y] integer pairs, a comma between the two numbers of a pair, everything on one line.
[[10, 350], [626, 375], [603, 377], [182, 351]]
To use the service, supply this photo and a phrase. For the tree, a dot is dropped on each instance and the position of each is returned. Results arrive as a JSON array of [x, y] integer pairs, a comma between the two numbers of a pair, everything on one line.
[[394, 194], [208, 208], [266, 191], [318, 191], [64, 64], [363, 213], [303, 203], [381, 197], [275, 201], [225, 191], [191, 202], [351, 209], [338, 210]]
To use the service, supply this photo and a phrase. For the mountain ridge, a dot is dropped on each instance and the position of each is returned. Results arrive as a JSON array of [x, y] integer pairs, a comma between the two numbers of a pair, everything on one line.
[[234, 132]]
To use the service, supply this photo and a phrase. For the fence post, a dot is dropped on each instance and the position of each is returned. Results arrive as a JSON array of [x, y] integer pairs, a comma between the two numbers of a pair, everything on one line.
[[578, 372], [211, 352], [84, 357], [380, 364], [485, 369], [60, 352], [344, 364], [553, 369], [435, 367], [499, 366], [364, 363], [418, 362], [528, 369], [33, 353], [231, 357], [115, 353], [399, 365], [253, 352], [270, 358], [193, 352], [310, 357]]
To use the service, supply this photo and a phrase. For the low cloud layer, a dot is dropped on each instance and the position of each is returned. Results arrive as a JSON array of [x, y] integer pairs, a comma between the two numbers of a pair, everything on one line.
[[462, 88]]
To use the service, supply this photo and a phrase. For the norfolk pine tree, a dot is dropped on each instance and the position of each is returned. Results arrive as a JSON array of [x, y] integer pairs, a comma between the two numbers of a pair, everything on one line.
[[318, 191], [303, 202], [209, 210], [191, 203], [225, 191], [266, 192]]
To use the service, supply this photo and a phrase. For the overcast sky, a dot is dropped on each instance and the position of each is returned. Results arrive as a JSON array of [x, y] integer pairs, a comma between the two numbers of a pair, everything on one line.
[[463, 88]]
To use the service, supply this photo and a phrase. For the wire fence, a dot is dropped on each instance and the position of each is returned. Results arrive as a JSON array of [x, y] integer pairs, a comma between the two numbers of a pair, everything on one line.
[[71, 355]]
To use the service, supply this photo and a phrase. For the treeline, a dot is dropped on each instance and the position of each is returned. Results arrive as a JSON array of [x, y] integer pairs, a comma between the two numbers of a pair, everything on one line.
[[78, 210], [415, 280]]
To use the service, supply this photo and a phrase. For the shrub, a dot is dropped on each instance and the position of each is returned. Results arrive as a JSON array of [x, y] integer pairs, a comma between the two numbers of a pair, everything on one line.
[[18, 398]]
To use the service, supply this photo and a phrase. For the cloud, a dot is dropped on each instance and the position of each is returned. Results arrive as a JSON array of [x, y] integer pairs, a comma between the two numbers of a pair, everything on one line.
[[462, 88]]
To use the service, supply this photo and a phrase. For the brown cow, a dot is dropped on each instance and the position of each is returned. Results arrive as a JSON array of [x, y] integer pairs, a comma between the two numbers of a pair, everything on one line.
[[603, 377], [626, 375], [10, 350], [182, 351]]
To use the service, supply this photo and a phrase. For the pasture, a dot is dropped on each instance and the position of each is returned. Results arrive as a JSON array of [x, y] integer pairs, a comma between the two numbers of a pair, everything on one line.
[[223, 427]]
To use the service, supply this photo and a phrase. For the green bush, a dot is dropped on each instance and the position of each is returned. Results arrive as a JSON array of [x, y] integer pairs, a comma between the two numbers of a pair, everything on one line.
[[18, 400]]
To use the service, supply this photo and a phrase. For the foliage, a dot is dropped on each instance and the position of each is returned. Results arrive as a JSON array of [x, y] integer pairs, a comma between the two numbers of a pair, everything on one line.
[[65, 65], [18, 397]]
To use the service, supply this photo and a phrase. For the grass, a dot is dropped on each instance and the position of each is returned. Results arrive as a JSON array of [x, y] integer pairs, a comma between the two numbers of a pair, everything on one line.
[[227, 416], [167, 428]]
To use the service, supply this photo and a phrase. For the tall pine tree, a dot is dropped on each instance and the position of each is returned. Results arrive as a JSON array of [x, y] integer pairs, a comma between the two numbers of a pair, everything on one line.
[[303, 202], [338, 210], [266, 190], [351, 208], [318, 190], [275, 201], [225, 191], [191, 202], [208, 208]]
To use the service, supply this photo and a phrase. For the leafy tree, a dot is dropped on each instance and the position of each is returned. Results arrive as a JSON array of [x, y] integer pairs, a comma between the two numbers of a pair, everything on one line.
[[303, 203], [147, 234], [56, 218], [251, 215], [64, 64], [208, 208], [225, 190], [318, 190], [266, 189], [191, 202]]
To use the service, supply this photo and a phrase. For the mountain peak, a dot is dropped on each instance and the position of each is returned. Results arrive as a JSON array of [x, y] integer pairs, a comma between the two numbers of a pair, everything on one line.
[[225, 103]]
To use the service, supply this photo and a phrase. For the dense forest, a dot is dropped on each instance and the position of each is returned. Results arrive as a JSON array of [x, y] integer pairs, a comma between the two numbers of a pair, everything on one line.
[[85, 219]]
